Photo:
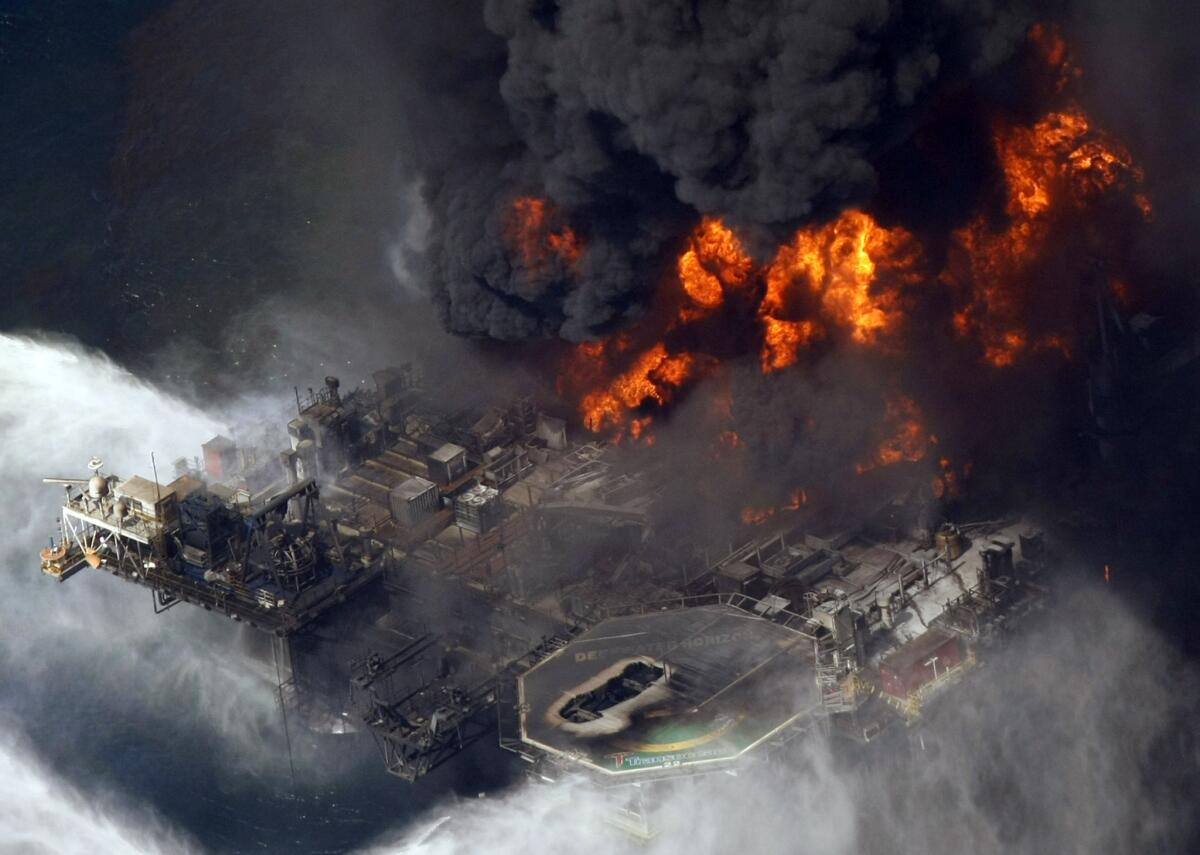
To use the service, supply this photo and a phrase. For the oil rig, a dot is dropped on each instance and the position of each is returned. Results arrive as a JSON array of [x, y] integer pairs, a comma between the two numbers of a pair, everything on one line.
[[461, 575]]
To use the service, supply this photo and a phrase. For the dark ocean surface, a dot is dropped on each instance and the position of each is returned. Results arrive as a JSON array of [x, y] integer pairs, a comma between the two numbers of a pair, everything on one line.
[[166, 166]]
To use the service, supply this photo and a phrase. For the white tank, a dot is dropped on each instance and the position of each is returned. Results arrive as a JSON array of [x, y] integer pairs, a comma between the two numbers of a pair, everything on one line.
[[97, 486]]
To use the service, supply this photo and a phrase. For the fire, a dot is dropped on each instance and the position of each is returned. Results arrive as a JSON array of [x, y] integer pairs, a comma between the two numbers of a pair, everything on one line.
[[586, 366], [700, 285], [713, 262], [840, 262], [1061, 145], [782, 340], [908, 440], [824, 279], [529, 231], [831, 271], [727, 445], [757, 515], [835, 265], [948, 484], [1055, 169], [652, 377], [637, 432], [1052, 50], [854, 279]]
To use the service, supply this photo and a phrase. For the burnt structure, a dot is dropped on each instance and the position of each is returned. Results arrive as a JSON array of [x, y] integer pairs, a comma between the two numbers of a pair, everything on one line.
[[273, 560], [462, 574]]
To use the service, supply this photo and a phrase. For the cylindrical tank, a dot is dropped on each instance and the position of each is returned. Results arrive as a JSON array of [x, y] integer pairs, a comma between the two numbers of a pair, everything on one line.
[[97, 486], [950, 542]]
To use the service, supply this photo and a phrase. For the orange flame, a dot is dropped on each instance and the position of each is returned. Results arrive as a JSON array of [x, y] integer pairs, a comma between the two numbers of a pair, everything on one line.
[[782, 340], [949, 483], [830, 269], [652, 377], [838, 262], [714, 261], [909, 440], [1052, 50], [1054, 168], [637, 431], [855, 278], [529, 231], [757, 515], [727, 444]]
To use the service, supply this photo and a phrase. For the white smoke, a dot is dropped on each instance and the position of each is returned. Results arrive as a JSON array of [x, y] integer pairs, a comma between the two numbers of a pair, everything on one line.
[[759, 809], [412, 237], [43, 814], [1073, 739], [60, 404]]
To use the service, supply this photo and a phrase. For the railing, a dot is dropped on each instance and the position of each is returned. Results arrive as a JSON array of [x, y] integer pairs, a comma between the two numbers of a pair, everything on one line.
[[743, 602]]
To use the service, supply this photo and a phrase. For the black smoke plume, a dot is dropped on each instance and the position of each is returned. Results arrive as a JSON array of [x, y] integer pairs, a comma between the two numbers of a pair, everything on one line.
[[633, 119]]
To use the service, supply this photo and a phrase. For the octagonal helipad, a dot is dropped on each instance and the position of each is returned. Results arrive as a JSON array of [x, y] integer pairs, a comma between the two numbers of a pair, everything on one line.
[[646, 692]]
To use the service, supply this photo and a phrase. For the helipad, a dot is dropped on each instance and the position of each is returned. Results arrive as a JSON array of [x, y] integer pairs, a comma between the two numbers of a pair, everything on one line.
[[689, 686]]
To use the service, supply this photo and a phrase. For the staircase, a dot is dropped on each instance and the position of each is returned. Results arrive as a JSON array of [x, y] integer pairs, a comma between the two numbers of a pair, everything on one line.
[[830, 672]]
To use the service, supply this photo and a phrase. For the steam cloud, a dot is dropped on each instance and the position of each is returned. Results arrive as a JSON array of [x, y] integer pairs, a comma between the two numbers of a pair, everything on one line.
[[633, 117], [93, 643], [142, 723], [1073, 739], [42, 813]]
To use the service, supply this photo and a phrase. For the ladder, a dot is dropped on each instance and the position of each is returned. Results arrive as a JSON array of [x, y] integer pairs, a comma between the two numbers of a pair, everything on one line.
[[829, 673]]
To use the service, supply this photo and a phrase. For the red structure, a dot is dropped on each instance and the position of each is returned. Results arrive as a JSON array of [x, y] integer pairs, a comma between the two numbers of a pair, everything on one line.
[[220, 456], [920, 662]]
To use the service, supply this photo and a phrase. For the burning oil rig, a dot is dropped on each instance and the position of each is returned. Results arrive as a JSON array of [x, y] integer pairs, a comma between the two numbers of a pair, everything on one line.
[[477, 573]]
